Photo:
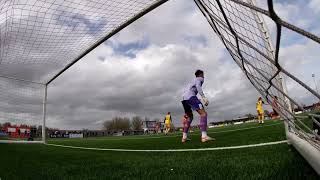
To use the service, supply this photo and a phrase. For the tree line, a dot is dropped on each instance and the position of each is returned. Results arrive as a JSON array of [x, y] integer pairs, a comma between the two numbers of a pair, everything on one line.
[[115, 124], [124, 123]]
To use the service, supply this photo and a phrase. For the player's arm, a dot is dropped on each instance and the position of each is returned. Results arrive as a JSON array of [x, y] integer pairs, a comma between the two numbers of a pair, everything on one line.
[[199, 89]]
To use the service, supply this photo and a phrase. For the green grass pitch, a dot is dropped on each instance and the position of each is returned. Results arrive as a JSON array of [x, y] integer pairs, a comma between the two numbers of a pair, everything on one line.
[[38, 161]]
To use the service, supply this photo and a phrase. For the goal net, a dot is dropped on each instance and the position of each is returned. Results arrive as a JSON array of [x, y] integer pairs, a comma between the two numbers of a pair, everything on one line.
[[21, 115], [242, 29], [39, 40]]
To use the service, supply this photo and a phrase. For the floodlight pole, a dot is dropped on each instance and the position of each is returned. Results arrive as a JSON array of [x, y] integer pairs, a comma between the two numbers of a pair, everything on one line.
[[44, 111]]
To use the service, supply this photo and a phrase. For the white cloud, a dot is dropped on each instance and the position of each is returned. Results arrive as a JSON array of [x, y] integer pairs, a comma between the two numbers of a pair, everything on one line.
[[107, 83], [314, 5], [151, 83]]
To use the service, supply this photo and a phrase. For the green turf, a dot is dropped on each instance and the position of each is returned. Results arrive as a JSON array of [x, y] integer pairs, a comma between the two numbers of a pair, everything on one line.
[[228, 136], [36, 161], [306, 121]]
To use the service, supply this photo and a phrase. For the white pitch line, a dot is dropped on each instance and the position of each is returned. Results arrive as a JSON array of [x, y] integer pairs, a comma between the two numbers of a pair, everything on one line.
[[150, 137], [19, 142], [173, 150]]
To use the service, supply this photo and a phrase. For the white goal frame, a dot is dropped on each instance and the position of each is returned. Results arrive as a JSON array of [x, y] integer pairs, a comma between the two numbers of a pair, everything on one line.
[[303, 145], [218, 19], [43, 125], [309, 152]]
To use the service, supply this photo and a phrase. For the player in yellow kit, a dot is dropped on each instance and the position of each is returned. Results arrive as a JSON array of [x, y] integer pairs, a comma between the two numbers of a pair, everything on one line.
[[167, 122], [260, 110]]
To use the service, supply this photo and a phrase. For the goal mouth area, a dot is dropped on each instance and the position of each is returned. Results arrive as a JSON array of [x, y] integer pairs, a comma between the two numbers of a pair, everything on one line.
[[267, 80], [229, 137], [174, 150]]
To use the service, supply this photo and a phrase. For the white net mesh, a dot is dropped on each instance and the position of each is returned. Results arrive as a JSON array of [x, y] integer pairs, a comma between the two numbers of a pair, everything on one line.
[[40, 37], [241, 28], [21, 109]]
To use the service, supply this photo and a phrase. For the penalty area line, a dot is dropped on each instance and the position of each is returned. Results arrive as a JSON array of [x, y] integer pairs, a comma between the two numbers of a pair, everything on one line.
[[173, 150]]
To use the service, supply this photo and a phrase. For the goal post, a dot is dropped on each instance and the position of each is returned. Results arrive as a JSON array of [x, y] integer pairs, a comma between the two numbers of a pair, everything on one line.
[[305, 148], [47, 38], [23, 107], [44, 114], [40, 41], [243, 31]]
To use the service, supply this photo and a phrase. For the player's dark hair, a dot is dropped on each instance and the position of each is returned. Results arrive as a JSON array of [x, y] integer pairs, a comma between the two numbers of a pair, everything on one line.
[[198, 72]]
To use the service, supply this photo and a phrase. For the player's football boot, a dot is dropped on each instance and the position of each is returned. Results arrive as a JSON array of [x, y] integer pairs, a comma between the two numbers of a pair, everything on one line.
[[185, 140], [207, 138]]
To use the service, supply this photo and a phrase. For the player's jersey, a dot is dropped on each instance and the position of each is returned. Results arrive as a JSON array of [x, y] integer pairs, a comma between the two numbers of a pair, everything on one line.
[[194, 88], [167, 119], [259, 105]]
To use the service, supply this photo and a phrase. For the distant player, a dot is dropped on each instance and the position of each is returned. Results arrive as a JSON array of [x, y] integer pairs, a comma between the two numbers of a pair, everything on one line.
[[275, 105], [157, 128], [167, 123], [260, 110], [191, 102]]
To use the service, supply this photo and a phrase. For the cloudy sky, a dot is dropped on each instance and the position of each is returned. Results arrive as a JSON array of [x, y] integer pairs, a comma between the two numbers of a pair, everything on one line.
[[144, 69]]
